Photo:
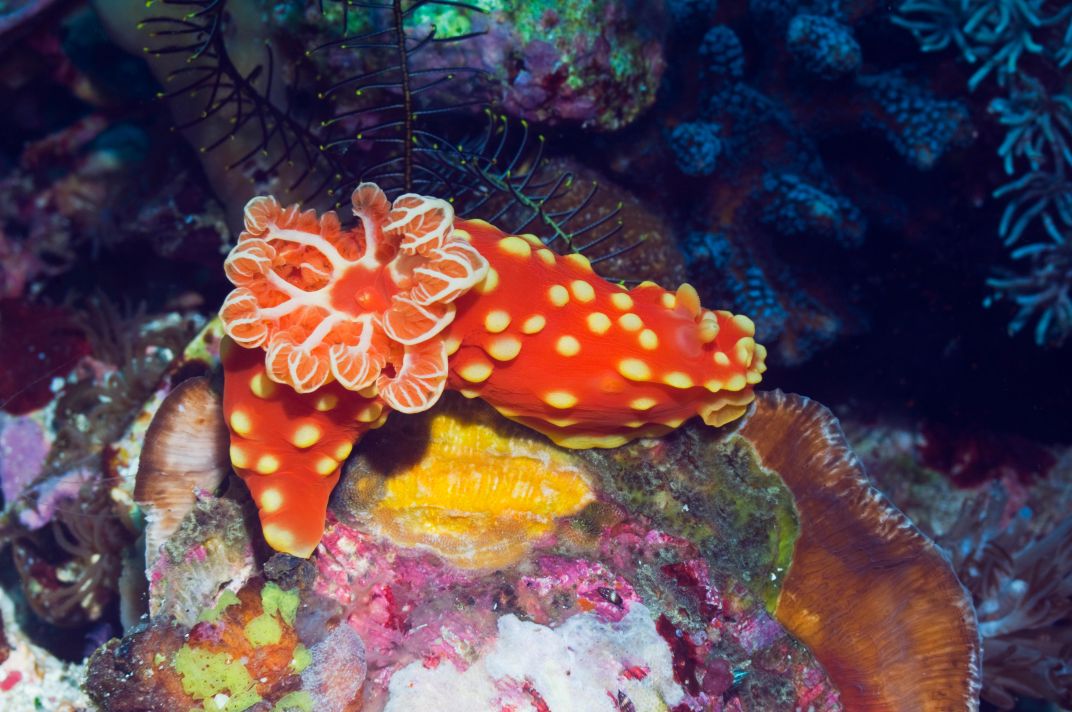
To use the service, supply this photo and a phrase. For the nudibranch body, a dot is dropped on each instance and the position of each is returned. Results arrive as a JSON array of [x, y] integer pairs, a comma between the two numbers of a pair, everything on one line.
[[552, 345], [333, 328]]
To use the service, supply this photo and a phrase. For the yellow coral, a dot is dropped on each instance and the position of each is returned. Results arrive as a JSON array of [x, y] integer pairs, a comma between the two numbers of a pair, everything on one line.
[[480, 494]]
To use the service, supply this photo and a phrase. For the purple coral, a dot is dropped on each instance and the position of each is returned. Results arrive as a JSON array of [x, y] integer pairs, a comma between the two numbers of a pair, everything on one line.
[[24, 447], [722, 55], [696, 146], [822, 46]]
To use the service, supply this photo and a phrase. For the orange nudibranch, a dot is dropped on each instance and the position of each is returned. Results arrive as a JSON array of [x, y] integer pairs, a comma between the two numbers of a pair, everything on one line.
[[386, 315]]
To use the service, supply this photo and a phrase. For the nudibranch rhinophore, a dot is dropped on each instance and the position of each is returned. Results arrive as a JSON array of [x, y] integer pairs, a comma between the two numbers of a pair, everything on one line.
[[333, 328]]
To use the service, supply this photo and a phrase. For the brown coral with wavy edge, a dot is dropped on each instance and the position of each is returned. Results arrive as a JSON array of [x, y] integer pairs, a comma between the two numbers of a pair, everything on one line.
[[870, 594]]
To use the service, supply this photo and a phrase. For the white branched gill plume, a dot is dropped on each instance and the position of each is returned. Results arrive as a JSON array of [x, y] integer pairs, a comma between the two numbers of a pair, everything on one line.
[[423, 223], [332, 304]]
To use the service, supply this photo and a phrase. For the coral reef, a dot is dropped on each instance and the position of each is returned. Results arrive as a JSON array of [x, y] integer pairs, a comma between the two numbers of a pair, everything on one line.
[[30, 676], [452, 459], [596, 63], [754, 135], [1007, 537], [1021, 584], [244, 651], [1023, 47], [661, 620]]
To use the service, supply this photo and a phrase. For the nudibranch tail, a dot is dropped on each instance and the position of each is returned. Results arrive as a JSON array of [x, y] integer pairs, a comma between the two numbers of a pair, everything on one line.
[[411, 301], [587, 362], [288, 447]]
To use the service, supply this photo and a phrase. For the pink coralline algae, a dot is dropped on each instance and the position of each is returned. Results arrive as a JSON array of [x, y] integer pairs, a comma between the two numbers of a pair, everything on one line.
[[640, 612], [24, 445]]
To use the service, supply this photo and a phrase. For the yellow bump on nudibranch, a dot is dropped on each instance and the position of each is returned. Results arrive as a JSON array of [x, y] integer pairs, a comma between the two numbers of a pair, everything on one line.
[[326, 402], [688, 298], [579, 260], [567, 346], [677, 379], [582, 290], [306, 436], [270, 500], [631, 322], [262, 386], [584, 442], [369, 413], [598, 323], [642, 403], [325, 466], [669, 300], [343, 451], [475, 372], [496, 321], [267, 465], [516, 246], [370, 391], [241, 422], [745, 324], [239, 457], [560, 399], [558, 295], [546, 256], [469, 393], [736, 382], [532, 239], [562, 422], [504, 348], [534, 324], [708, 328], [452, 345], [721, 358], [622, 301], [489, 283], [277, 537], [745, 350], [634, 369], [753, 377], [714, 385], [648, 340]]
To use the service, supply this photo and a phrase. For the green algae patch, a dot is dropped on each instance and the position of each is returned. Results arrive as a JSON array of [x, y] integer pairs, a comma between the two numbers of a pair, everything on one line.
[[222, 683], [710, 488], [301, 660], [300, 700], [211, 615], [276, 600], [263, 630], [276, 603]]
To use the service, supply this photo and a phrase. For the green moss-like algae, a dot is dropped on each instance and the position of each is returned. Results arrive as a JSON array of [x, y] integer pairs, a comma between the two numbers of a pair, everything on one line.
[[276, 600], [711, 489], [300, 701], [206, 675], [263, 630], [211, 615], [301, 660], [276, 603]]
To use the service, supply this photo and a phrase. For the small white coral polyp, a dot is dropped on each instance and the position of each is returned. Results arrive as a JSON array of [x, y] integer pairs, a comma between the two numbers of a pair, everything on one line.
[[365, 306]]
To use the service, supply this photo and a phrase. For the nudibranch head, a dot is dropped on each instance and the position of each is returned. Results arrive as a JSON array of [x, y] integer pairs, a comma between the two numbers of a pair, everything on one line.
[[362, 307]]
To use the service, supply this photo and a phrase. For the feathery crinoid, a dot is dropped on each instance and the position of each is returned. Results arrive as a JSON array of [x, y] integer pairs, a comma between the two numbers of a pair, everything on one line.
[[355, 92]]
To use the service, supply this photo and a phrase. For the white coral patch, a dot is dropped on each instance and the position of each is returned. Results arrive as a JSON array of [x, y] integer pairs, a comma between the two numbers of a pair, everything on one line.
[[580, 666]]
